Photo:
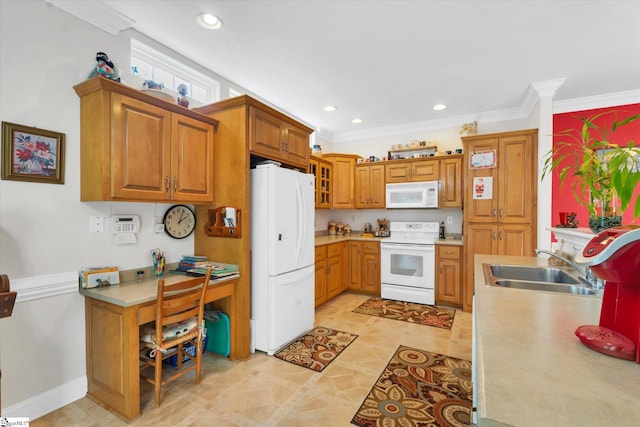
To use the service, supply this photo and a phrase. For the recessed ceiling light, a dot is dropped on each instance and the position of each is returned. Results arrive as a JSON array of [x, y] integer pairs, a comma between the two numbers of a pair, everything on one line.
[[209, 21], [439, 107], [330, 108], [356, 121]]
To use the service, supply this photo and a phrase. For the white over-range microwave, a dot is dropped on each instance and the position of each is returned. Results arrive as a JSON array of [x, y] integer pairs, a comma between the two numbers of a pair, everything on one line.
[[412, 195]]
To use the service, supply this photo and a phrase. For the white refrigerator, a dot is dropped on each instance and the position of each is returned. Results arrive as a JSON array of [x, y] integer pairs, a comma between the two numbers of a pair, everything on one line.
[[282, 256]]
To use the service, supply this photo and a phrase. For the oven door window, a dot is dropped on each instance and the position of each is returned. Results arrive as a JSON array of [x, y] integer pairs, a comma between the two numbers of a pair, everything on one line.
[[407, 265]]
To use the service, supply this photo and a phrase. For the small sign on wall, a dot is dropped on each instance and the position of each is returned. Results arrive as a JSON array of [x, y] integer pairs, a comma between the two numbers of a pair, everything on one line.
[[482, 159], [483, 187]]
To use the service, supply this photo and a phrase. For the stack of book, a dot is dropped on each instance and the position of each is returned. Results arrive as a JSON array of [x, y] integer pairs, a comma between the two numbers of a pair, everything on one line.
[[218, 270], [189, 262]]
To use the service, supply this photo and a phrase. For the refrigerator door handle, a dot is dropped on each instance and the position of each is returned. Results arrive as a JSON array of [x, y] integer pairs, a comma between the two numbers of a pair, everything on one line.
[[301, 221]]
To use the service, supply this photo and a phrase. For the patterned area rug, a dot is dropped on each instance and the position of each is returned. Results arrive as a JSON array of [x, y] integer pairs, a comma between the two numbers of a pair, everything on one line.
[[316, 349], [421, 314], [419, 389]]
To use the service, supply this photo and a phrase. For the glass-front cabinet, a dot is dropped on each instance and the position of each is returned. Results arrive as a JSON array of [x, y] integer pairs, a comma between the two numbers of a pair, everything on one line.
[[323, 172]]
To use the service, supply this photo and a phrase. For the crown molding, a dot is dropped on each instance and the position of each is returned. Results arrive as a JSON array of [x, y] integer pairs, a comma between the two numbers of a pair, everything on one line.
[[95, 13], [597, 101]]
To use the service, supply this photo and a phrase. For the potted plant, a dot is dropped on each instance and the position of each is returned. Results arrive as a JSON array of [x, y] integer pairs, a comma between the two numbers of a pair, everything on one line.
[[605, 174]]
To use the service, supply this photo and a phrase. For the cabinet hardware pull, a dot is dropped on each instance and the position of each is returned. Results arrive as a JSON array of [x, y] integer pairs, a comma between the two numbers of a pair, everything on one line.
[[501, 235], [175, 184], [166, 183], [448, 252], [494, 211], [501, 211], [494, 235]]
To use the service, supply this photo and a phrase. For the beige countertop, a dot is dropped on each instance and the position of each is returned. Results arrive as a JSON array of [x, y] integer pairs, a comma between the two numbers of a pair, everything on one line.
[[326, 239], [131, 293], [531, 370]]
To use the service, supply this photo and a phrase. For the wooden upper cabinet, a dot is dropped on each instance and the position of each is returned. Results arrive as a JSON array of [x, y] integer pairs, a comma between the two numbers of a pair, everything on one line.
[[512, 180], [451, 183], [370, 186], [136, 147], [342, 187], [412, 170], [322, 170], [275, 138]]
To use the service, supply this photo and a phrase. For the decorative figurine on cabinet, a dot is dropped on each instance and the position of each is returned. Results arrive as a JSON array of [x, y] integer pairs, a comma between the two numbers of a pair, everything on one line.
[[182, 99], [105, 67], [150, 84]]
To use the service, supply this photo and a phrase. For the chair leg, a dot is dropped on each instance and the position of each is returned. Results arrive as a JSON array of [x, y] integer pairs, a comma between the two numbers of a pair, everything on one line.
[[158, 376], [198, 360]]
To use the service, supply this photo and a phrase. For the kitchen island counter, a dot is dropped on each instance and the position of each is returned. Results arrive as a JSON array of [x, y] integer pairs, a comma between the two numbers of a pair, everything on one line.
[[531, 369]]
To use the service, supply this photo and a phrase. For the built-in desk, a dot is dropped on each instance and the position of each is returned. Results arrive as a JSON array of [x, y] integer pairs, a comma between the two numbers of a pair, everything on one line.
[[113, 316]]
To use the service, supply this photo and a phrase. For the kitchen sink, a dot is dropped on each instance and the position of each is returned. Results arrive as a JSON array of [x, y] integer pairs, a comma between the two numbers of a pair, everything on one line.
[[536, 278], [546, 286], [534, 274]]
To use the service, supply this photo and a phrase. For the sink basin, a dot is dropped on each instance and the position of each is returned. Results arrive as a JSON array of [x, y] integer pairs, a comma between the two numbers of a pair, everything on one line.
[[545, 286], [535, 278], [534, 274]]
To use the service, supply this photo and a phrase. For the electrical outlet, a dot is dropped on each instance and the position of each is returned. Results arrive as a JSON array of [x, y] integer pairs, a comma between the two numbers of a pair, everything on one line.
[[449, 220], [96, 224]]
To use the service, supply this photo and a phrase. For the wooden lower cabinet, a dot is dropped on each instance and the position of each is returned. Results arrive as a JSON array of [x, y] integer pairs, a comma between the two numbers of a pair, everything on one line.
[[364, 266], [492, 239], [449, 277], [329, 279]]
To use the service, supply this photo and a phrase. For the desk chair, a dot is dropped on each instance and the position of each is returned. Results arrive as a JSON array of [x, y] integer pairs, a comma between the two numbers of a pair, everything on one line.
[[180, 314]]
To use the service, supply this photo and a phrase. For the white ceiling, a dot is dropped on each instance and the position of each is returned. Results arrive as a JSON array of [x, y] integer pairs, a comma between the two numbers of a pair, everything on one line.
[[389, 62]]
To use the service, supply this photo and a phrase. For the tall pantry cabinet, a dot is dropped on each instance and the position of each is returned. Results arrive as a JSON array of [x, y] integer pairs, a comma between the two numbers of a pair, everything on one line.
[[500, 198]]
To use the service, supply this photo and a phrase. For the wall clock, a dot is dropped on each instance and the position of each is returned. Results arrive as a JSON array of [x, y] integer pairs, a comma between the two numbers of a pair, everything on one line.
[[179, 221]]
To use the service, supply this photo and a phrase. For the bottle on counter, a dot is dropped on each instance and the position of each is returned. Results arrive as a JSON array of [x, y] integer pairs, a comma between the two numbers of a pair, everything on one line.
[[442, 233]]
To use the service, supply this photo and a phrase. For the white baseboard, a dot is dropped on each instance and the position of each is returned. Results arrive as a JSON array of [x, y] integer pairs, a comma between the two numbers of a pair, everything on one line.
[[48, 401]]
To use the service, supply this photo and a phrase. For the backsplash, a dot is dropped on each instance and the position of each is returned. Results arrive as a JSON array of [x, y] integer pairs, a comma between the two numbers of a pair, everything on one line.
[[358, 217]]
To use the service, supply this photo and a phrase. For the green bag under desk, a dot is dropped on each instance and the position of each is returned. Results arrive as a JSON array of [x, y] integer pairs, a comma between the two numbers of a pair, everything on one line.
[[218, 334]]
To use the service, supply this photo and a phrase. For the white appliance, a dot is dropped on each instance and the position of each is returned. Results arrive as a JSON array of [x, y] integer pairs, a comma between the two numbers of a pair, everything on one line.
[[282, 256], [412, 195], [408, 262]]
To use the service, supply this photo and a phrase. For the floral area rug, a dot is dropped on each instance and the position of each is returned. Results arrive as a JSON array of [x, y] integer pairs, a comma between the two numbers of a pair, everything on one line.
[[419, 389], [421, 314], [316, 349]]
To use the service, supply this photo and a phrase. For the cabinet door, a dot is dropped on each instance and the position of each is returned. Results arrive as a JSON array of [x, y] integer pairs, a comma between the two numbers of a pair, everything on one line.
[[481, 210], [361, 186], [371, 267], [323, 183], [354, 276], [313, 170], [515, 239], [451, 183], [449, 284], [334, 276], [265, 137], [425, 170], [377, 193], [398, 172], [343, 182], [479, 239], [320, 282], [141, 150], [191, 160], [296, 145], [516, 166]]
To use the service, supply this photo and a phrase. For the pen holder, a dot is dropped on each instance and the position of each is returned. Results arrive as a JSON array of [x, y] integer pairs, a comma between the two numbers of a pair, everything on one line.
[[158, 267]]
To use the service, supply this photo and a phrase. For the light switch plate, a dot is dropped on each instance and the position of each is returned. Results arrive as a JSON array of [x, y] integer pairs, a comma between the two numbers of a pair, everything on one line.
[[96, 224]]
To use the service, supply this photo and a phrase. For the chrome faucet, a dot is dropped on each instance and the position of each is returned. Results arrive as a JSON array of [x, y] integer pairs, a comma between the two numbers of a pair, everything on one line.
[[589, 277]]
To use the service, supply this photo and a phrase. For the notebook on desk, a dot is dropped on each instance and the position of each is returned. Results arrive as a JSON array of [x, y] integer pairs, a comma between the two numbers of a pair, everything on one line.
[[218, 270]]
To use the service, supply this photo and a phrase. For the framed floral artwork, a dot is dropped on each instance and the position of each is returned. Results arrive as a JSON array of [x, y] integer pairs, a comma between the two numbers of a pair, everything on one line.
[[32, 154]]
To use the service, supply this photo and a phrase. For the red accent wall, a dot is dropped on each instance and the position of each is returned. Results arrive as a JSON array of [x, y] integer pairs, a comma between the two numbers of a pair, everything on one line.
[[563, 199]]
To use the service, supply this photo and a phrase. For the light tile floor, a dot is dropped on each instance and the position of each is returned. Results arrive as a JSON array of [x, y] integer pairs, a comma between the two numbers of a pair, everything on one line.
[[265, 391]]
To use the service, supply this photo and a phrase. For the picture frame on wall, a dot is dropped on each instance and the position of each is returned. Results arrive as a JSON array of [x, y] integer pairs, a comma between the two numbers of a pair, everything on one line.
[[32, 154]]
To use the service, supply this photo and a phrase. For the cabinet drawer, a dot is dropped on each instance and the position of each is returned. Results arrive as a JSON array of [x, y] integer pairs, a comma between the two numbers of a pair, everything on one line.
[[321, 253], [449, 252], [370, 247], [333, 250]]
